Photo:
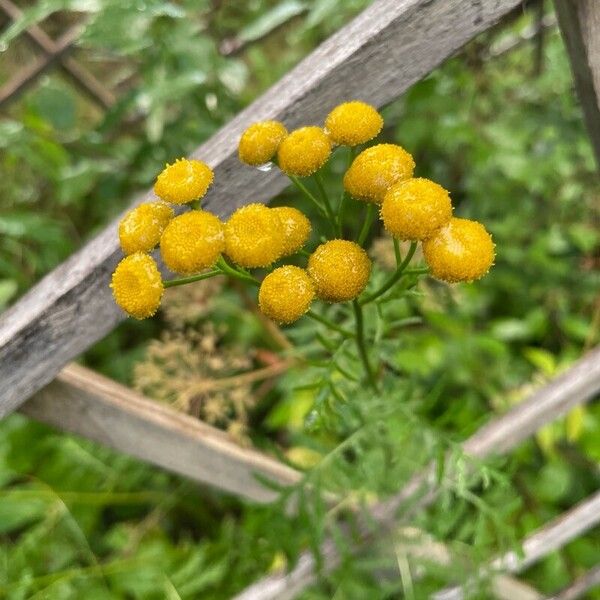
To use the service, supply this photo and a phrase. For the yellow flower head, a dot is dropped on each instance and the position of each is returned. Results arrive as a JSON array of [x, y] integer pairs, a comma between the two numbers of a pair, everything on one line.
[[375, 170], [461, 250], [415, 208], [254, 236], [192, 242], [296, 228], [137, 285], [286, 294], [340, 270], [140, 229], [304, 151], [353, 123], [259, 143], [184, 181]]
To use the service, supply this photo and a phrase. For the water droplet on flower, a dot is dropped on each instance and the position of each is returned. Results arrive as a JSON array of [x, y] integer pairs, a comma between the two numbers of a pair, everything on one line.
[[266, 167]]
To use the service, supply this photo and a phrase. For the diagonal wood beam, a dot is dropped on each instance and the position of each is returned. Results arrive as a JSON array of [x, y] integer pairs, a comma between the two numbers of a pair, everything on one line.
[[381, 53], [579, 22], [88, 404], [552, 536], [588, 581], [578, 384], [79, 74]]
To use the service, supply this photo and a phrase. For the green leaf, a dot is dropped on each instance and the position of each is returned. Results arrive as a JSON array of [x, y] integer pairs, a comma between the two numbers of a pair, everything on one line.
[[277, 16], [8, 288]]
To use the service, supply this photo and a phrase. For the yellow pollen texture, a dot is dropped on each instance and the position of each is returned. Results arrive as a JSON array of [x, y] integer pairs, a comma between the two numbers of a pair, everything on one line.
[[184, 181], [353, 123], [296, 228], [461, 250], [340, 270], [286, 294], [375, 170], [254, 236], [192, 242], [304, 151], [141, 228], [137, 285], [414, 209], [259, 143]]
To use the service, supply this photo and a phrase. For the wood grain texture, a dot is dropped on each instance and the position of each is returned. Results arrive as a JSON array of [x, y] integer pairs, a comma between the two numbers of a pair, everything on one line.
[[85, 403], [579, 21], [381, 53], [578, 384]]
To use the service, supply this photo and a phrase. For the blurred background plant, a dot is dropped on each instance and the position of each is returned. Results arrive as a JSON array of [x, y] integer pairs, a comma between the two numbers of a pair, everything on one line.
[[498, 125]]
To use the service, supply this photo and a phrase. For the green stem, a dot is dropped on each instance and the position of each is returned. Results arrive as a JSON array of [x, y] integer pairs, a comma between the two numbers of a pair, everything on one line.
[[397, 252], [324, 321], [341, 213], [328, 208], [344, 197], [370, 215], [227, 269], [362, 347], [417, 271], [394, 278], [308, 195], [191, 279]]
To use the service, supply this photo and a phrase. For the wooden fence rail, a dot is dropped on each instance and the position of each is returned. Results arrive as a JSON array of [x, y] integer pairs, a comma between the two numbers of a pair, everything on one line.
[[588, 581], [88, 404], [579, 384], [381, 53], [579, 21], [376, 57], [550, 537]]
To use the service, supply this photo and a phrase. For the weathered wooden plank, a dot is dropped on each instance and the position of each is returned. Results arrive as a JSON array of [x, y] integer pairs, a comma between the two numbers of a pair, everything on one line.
[[588, 581], [80, 75], [387, 48], [579, 21], [578, 384], [418, 547], [88, 404], [552, 536]]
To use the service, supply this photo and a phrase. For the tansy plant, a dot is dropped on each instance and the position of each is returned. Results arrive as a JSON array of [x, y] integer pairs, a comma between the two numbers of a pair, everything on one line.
[[198, 245]]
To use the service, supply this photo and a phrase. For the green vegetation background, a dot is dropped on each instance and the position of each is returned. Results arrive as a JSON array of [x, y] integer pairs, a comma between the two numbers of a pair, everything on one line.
[[504, 133]]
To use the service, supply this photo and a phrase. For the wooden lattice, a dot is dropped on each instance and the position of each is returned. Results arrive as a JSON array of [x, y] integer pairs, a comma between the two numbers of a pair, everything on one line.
[[379, 55]]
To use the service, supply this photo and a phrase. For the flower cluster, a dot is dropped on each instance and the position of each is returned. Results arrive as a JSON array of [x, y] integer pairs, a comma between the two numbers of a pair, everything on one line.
[[198, 245]]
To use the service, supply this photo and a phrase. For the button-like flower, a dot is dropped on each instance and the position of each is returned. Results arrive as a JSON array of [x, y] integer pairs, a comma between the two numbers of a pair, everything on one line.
[[286, 294], [375, 170], [353, 123], [415, 208], [340, 270], [296, 228], [461, 250], [192, 242], [137, 285], [254, 236], [140, 229], [304, 151], [258, 144], [184, 181]]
